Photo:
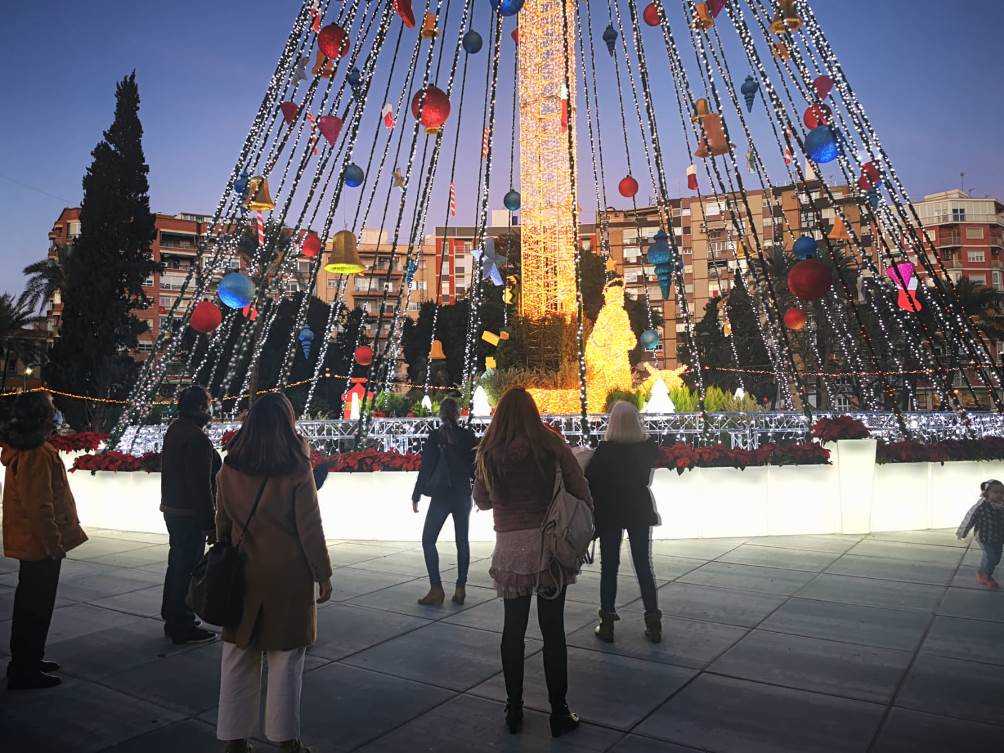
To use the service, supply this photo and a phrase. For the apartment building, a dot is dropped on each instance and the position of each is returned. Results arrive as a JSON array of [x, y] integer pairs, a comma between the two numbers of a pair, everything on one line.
[[968, 233]]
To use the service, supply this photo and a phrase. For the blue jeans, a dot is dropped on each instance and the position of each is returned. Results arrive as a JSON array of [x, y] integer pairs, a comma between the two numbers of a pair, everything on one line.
[[439, 510], [991, 557], [610, 559], [187, 544]]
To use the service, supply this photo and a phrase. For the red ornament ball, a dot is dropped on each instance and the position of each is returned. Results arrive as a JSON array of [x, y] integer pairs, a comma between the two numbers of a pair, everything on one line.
[[652, 14], [628, 187], [870, 176], [206, 317], [364, 355], [435, 110], [311, 244], [809, 280], [817, 115], [794, 319], [333, 41]]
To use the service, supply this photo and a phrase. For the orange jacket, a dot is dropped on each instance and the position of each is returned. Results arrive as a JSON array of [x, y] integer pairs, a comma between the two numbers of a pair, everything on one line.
[[39, 515]]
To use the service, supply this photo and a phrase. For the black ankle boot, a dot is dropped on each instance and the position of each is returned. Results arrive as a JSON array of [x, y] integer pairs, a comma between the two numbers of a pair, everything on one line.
[[514, 717], [563, 720]]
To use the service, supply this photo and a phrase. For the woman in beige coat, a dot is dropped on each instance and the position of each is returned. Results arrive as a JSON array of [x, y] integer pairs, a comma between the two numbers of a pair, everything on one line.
[[284, 555]]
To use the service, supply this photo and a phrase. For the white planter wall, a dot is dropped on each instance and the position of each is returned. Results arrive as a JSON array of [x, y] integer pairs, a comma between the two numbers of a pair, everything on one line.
[[701, 503], [855, 461]]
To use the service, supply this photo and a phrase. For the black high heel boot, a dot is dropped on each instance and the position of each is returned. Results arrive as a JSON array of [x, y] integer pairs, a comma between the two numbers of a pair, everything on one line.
[[514, 717], [562, 721]]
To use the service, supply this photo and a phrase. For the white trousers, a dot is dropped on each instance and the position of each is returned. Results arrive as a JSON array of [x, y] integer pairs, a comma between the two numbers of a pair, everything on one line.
[[240, 693]]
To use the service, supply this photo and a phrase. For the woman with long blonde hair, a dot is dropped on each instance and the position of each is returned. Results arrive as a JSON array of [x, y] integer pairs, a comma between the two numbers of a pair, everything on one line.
[[517, 463], [619, 475]]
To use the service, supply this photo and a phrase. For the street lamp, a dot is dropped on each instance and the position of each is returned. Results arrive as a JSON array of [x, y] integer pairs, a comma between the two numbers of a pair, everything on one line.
[[27, 373]]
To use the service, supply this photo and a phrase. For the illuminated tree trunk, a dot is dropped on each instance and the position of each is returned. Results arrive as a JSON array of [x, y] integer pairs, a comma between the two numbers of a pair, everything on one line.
[[546, 111]]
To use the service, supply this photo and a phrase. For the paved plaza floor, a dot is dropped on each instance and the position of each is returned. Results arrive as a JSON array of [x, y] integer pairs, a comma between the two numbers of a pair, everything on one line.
[[800, 644]]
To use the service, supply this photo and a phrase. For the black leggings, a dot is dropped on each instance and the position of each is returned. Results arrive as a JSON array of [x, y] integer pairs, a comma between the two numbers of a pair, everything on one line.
[[551, 616], [439, 510]]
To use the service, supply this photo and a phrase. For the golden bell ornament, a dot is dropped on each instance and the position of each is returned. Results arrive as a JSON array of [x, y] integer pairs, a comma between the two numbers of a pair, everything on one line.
[[787, 18], [490, 337], [436, 351], [701, 109], [258, 197], [713, 143], [429, 30], [839, 231], [344, 258], [702, 17]]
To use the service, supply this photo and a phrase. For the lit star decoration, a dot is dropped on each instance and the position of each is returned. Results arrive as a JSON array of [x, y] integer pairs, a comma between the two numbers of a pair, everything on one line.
[[490, 261]]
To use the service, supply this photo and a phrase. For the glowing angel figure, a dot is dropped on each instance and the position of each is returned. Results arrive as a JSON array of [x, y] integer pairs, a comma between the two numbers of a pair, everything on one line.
[[490, 261]]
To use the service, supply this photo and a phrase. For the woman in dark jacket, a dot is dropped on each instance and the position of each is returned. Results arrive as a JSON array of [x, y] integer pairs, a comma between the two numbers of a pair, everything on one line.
[[619, 474], [40, 526], [445, 475]]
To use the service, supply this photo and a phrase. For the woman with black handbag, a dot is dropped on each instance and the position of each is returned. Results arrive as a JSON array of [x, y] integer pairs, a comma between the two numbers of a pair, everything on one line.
[[267, 505], [445, 475]]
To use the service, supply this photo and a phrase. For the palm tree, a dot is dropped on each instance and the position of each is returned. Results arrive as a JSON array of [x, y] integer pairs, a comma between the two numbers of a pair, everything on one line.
[[45, 277], [16, 315], [984, 306]]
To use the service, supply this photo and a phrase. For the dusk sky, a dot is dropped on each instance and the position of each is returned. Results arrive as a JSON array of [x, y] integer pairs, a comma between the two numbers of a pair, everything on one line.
[[929, 73]]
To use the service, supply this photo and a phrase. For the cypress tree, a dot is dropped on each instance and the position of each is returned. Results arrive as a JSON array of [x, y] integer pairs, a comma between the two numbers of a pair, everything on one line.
[[105, 273]]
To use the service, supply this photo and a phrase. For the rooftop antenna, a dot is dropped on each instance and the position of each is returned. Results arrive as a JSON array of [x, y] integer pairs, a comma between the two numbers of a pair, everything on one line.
[[962, 182]]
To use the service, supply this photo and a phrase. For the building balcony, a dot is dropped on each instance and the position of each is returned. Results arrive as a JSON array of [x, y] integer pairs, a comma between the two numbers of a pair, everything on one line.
[[968, 217]]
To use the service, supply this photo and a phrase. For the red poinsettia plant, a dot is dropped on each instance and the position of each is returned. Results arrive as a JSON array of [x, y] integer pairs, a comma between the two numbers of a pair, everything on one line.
[[841, 427], [984, 448], [77, 441], [372, 459], [227, 436], [117, 462], [683, 457]]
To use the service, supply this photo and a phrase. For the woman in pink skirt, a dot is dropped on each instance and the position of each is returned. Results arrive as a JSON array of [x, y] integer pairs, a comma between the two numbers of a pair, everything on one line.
[[516, 467]]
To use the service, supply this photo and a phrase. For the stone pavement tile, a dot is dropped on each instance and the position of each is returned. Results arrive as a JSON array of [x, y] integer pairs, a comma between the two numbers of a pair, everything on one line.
[[76, 717], [874, 592], [606, 689], [348, 553], [188, 736], [771, 556], [837, 543], [144, 603], [465, 724], [935, 536], [978, 605], [976, 640], [844, 669], [696, 548], [914, 732], [188, 682], [8, 565], [944, 555], [108, 583], [667, 567], [966, 578], [135, 558], [344, 629], [893, 569], [953, 687], [140, 536], [687, 643], [869, 626], [973, 555], [716, 604], [344, 707], [404, 600], [348, 583], [74, 621], [448, 656], [7, 603], [586, 588], [97, 546], [726, 715], [769, 580], [408, 563], [639, 744], [491, 614]]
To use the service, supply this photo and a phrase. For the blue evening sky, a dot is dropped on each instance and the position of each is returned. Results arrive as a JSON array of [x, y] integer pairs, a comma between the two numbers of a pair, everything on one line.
[[927, 71]]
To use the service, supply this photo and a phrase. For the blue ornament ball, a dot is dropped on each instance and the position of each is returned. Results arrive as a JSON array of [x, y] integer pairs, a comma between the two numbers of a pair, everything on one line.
[[805, 247], [821, 145], [512, 200], [507, 7], [650, 339], [236, 290], [354, 175], [472, 42]]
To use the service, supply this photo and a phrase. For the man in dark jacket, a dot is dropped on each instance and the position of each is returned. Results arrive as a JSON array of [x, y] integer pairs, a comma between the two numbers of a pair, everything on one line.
[[189, 464]]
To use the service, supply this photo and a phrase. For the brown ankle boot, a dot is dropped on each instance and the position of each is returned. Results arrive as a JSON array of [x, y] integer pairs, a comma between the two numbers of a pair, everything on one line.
[[238, 746], [605, 630], [459, 595], [434, 598], [653, 626]]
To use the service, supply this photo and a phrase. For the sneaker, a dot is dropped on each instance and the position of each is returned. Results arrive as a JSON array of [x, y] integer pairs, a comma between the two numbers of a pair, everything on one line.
[[992, 583], [195, 635], [982, 579]]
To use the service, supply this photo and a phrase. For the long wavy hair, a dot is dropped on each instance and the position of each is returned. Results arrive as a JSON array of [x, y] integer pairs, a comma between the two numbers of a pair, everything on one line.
[[516, 420], [268, 443]]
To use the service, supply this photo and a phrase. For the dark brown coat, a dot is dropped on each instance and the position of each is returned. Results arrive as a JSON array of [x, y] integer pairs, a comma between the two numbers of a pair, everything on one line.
[[284, 555], [39, 515]]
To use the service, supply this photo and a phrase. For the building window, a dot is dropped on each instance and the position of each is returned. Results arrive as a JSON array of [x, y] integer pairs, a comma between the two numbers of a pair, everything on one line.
[[148, 282], [974, 233], [145, 347], [977, 277], [975, 256], [332, 283], [998, 279], [958, 214]]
